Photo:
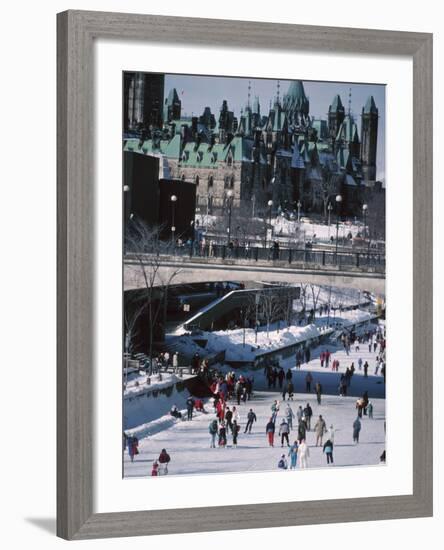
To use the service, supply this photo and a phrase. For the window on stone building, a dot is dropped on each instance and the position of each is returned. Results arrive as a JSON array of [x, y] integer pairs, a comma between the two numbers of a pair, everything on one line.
[[232, 182], [210, 182], [183, 177], [197, 180]]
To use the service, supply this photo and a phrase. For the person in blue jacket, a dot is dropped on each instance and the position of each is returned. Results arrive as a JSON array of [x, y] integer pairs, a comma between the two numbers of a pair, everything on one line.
[[293, 454]]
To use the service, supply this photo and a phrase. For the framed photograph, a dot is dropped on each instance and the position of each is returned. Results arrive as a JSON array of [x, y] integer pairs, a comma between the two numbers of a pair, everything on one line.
[[244, 275]]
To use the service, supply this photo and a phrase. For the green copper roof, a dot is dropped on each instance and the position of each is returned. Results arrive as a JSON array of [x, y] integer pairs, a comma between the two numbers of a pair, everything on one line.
[[370, 106], [296, 90], [336, 104]]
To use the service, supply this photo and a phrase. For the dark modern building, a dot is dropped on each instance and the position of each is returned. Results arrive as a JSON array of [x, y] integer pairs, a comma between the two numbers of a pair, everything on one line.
[[142, 101], [148, 198], [180, 213], [141, 188]]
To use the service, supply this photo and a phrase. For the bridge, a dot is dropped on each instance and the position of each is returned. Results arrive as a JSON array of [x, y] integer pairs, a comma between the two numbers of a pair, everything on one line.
[[186, 269]]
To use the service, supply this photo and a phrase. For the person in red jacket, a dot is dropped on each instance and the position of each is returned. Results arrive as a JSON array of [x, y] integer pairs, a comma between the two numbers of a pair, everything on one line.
[[155, 470]]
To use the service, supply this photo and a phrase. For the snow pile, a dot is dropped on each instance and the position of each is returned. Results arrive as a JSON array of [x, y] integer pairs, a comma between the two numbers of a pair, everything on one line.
[[232, 341]]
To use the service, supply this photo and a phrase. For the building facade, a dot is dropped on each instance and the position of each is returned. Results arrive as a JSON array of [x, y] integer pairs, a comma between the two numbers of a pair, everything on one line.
[[285, 156]]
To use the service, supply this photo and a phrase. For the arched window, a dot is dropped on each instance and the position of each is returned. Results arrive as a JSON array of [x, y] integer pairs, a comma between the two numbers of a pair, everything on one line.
[[197, 180], [232, 182], [210, 182]]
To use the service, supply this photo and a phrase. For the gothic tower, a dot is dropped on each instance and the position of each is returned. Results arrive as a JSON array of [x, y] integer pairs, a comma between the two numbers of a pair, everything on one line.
[[172, 108], [336, 115], [369, 139], [296, 104]]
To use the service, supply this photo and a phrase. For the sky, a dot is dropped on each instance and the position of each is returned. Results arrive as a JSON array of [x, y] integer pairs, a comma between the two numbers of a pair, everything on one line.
[[198, 92]]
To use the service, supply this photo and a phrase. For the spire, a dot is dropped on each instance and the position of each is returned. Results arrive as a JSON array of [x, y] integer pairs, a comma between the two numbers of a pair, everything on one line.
[[278, 91], [256, 106], [249, 93], [336, 104], [349, 101], [370, 106]]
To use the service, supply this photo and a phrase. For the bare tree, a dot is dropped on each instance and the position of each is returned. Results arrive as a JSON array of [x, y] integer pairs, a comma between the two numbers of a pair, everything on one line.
[[143, 247], [271, 306], [131, 317], [315, 291], [329, 184], [247, 311]]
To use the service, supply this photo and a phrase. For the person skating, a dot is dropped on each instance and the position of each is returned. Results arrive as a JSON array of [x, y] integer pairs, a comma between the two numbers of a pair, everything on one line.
[[133, 446], [269, 430], [229, 419], [222, 435], [320, 429], [251, 418], [318, 390], [235, 432], [331, 434], [290, 390], [281, 377], [293, 454], [370, 409], [274, 410], [164, 460], [328, 450], [300, 413], [284, 430], [365, 399], [282, 464], [308, 381], [308, 413], [289, 414], [302, 429], [190, 407], [212, 428], [303, 454], [366, 369], [155, 469], [356, 430], [289, 375], [327, 358]]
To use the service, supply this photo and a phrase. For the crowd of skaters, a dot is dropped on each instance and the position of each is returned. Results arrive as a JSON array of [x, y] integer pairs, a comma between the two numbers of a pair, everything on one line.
[[239, 389]]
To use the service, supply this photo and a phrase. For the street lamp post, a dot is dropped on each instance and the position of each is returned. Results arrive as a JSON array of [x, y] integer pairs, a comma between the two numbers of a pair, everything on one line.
[[329, 209], [338, 205], [173, 199], [230, 203], [270, 205], [364, 215]]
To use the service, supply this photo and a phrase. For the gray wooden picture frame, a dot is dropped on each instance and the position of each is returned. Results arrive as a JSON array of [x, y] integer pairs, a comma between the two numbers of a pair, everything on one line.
[[76, 32]]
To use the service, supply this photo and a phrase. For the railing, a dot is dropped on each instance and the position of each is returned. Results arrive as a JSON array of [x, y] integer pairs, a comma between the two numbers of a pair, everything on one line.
[[362, 261]]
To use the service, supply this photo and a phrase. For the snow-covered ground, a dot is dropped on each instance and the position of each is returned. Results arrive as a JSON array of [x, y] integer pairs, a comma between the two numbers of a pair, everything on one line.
[[188, 443], [287, 228]]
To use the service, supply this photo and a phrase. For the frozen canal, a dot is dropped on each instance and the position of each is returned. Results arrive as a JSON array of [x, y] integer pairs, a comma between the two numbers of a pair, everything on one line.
[[188, 443]]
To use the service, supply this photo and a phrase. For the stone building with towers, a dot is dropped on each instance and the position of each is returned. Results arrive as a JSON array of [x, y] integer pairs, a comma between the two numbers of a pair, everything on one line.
[[249, 158]]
